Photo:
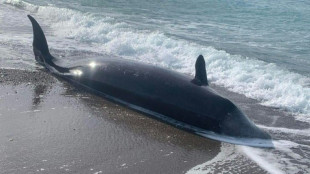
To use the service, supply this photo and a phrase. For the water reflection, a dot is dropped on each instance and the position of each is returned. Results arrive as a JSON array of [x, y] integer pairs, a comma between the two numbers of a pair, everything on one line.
[[39, 91]]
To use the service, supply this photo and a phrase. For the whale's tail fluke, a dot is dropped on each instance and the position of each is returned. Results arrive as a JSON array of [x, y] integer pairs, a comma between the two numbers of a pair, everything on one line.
[[39, 40], [40, 47]]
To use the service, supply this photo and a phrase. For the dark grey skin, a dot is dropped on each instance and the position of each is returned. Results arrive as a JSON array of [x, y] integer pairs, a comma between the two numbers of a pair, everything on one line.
[[165, 94]]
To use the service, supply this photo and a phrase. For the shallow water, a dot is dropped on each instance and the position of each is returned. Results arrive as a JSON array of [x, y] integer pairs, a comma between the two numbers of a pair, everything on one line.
[[246, 50]]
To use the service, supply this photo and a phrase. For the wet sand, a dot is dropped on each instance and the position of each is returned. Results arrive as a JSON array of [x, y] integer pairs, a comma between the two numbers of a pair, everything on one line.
[[49, 126]]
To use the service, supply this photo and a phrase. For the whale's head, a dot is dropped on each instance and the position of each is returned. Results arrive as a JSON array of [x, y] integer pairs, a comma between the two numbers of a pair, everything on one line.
[[231, 121], [236, 124], [232, 125]]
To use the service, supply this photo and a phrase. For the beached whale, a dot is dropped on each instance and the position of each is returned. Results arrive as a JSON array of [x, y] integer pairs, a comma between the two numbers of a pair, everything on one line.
[[176, 98]]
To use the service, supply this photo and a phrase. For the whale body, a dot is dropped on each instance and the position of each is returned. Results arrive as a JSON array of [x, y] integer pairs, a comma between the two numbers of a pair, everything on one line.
[[175, 98]]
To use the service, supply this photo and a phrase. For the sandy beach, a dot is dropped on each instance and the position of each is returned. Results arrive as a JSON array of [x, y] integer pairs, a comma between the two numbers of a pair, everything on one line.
[[49, 126]]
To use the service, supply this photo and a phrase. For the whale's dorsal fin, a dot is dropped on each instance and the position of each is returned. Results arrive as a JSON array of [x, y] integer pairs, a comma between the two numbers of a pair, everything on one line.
[[201, 74]]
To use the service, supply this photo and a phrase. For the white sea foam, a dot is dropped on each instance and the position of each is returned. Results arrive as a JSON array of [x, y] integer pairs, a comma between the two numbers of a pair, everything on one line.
[[279, 160], [227, 153], [224, 162], [274, 161], [21, 4], [303, 132]]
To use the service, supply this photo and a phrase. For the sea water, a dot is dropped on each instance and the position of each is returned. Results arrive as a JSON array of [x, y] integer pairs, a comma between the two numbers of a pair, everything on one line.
[[256, 48]]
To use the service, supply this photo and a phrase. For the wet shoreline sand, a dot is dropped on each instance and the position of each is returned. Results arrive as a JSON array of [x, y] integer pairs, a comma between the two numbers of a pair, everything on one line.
[[48, 125]]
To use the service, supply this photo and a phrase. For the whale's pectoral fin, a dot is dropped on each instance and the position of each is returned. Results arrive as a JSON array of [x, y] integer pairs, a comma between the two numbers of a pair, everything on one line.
[[201, 74]]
